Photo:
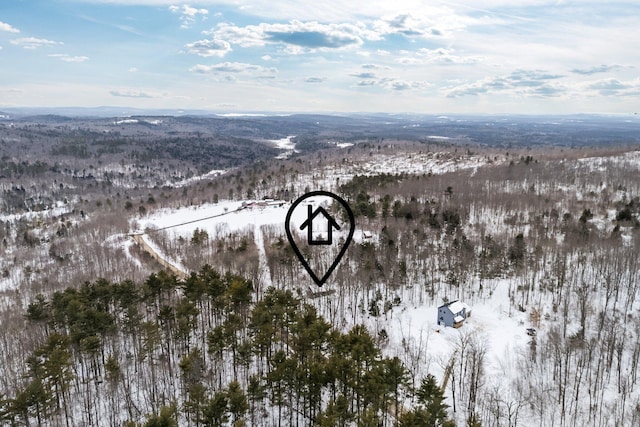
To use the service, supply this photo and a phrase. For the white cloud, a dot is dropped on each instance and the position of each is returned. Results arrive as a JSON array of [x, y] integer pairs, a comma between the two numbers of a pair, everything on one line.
[[188, 14], [296, 35], [336, 10], [379, 76], [130, 94], [446, 56], [437, 56], [431, 23], [460, 49], [7, 27], [232, 67], [369, 79], [208, 48], [374, 67], [67, 58], [12, 90], [34, 43], [365, 75], [597, 69], [133, 70], [518, 83], [611, 87], [402, 85], [249, 36]]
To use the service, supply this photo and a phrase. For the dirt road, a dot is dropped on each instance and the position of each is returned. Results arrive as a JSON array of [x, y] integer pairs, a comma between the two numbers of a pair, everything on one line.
[[139, 239]]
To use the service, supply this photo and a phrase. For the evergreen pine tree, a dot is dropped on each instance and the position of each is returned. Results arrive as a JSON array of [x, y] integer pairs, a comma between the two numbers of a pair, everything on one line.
[[431, 411], [167, 418], [238, 405], [215, 413]]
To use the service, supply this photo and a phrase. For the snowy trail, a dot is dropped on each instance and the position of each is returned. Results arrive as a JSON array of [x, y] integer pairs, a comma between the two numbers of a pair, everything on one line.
[[263, 266], [166, 263]]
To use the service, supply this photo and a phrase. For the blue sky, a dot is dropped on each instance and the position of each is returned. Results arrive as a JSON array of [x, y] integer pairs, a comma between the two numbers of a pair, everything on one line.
[[527, 57]]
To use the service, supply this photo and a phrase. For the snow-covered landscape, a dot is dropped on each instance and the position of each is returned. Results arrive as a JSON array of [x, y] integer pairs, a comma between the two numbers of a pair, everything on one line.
[[501, 329], [494, 322], [498, 330], [225, 213], [195, 270]]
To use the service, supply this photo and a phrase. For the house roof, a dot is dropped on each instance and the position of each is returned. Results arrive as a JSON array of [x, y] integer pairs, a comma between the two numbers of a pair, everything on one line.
[[456, 307], [458, 319]]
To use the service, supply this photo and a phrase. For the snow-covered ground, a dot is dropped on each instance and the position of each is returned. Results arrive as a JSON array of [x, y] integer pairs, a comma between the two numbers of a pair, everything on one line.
[[130, 121], [497, 327], [12, 281], [212, 173], [500, 329], [603, 163], [434, 163], [59, 209], [341, 144], [407, 163], [226, 216], [231, 216], [286, 145]]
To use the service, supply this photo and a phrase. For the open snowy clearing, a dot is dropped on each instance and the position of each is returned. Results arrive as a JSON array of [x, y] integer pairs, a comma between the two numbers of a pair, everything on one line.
[[502, 332], [231, 216]]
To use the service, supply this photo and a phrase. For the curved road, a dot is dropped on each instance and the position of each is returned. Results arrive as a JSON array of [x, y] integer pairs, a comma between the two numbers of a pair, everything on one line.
[[138, 238]]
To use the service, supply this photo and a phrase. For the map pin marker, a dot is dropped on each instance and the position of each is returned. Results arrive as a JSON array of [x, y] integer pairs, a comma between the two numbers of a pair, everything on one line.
[[317, 217]]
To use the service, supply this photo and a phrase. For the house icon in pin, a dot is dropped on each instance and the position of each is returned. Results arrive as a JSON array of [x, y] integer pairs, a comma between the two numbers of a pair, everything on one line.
[[308, 224]]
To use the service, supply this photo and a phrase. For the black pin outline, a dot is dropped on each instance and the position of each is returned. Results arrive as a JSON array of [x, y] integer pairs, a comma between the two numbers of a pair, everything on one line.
[[292, 242]]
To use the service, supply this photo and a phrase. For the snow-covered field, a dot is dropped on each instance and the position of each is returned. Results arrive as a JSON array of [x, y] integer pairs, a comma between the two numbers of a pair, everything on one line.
[[286, 145], [215, 218], [230, 216]]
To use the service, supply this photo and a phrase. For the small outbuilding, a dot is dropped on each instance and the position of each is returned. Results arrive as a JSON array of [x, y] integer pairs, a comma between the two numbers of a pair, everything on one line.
[[453, 314]]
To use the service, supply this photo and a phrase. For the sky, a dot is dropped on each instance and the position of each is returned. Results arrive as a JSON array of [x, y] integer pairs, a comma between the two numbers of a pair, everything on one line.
[[400, 56]]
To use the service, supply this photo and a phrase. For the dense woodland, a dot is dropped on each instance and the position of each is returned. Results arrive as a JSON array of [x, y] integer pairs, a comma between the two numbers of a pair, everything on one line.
[[205, 352], [94, 333]]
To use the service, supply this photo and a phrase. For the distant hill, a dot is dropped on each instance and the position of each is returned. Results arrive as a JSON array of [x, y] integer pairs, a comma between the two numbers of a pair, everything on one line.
[[317, 129]]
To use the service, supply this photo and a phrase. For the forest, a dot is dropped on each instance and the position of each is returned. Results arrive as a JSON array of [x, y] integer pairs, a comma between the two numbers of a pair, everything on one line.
[[204, 352]]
